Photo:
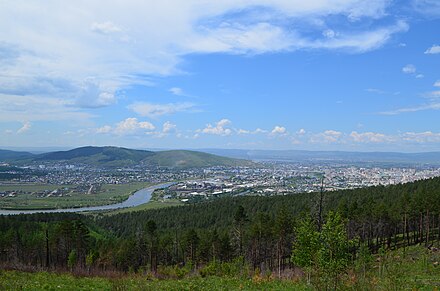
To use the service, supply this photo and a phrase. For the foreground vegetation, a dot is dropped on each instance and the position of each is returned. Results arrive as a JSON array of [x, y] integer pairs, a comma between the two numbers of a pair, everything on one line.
[[26, 198], [415, 268]]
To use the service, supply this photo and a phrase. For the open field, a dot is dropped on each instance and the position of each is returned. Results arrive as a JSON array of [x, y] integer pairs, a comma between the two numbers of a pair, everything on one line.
[[13, 280], [27, 196]]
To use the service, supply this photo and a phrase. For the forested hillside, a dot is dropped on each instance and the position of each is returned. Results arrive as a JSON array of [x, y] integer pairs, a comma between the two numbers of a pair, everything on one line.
[[273, 234]]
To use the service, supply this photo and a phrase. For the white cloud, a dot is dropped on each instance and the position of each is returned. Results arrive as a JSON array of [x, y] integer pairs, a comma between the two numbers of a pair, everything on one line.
[[246, 131], [93, 95], [356, 42], [428, 8], [259, 130], [132, 125], [243, 131], [122, 42], [104, 129], [437, 83], [421, 137], [433, 95], [105, 27], [409, 69], [376, 91], [431, 106], [281, 130], [177, 91], [154, 110], [329, 33], [26, 126], [220, 128], [419, 76], [369, 137], [36, 108], [328, 136], [435, 49], [302, 131], [168, 127], [332, 135]]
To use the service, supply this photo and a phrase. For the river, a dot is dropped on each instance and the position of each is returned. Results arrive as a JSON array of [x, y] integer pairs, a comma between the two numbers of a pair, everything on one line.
[[139, 197]]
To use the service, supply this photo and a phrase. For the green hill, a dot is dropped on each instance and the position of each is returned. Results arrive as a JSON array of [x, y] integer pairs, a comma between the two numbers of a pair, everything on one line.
[[6, 155], [191, 159], [119, 157], [98, 156]]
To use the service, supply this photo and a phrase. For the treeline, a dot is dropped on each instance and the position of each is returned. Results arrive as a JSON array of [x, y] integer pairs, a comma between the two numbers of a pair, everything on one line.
[[263, 233], [376, 215]]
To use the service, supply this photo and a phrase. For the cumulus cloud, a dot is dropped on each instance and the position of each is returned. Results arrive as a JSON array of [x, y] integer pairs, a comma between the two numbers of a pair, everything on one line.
[[104, 129], [220, 128], [243, 131], [168, 127], [26, 126], [302, 131], [132, 125], [369, 137], [437, 83], [421, 137], [409, 69], [435, 49], [259, 130], [278, 130], [93, 95], [332, 135], [155, 110], [328, 136]]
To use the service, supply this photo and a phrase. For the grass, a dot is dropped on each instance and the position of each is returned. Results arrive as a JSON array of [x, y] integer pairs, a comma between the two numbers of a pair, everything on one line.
[[109, 194], [14, 280], [415, 268]]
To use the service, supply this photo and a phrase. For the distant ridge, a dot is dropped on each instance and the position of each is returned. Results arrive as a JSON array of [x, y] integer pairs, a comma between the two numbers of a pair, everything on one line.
[[6, 155], [110, 156], [329, 156]]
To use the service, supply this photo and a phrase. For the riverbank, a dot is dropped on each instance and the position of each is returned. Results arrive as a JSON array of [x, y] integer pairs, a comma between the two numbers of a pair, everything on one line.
[[138, 198]]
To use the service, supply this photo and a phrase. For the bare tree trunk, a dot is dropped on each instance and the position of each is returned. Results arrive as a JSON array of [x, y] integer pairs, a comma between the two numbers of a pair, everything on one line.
[[427, 228], [47, 248]]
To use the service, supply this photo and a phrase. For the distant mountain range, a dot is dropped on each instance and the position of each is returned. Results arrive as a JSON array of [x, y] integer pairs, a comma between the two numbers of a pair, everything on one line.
[[432, 158], [120, 157]]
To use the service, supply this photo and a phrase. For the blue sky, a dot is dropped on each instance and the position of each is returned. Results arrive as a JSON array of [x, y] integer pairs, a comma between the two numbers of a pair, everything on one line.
[[252, 74]]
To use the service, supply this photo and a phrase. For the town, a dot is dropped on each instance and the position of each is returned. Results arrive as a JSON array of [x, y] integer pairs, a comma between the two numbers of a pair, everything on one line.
[[198, 184]]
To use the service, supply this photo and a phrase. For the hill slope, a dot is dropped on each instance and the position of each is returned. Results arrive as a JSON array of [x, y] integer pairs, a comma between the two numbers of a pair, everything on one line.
[[6, 155], [98, 156], [189, 159]]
